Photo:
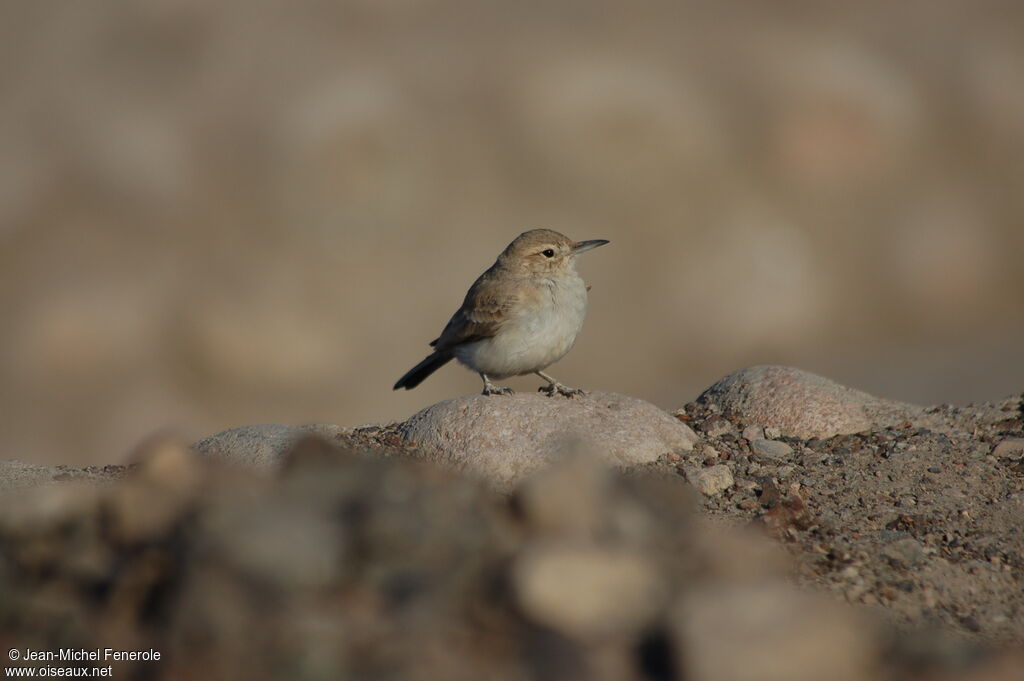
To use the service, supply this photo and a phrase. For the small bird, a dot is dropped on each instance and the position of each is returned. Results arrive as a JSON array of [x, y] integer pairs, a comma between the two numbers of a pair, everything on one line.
[[519, 317]]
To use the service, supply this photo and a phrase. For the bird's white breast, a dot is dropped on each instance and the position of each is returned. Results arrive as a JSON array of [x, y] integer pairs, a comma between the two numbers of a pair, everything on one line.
[[535, 336]]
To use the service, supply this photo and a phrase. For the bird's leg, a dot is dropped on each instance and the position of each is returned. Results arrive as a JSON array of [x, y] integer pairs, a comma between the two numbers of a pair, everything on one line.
[[491, 389], [556, 387]]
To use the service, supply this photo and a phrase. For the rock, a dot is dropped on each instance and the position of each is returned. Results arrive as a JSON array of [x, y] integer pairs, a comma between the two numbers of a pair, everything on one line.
[[587, 591], [15, 475], [738, 553], [906, 553], [34, 512], [749, 504], [169, 463], [802, 404], [504, 438], [139, 512], [735, 633], [716, 427], [786, 514], [710, 454], [567, 500], [157, 491], [710, 481], [280, 541], [1011, 448], [771, 449], [261, 446], [771, 495], [751, 433]]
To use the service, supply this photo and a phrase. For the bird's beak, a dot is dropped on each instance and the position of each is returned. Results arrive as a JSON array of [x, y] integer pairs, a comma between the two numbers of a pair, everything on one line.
[[582, 246]]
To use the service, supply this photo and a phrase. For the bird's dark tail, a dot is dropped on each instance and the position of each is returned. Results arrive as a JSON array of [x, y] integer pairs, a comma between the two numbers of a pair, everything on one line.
[[413, 377]]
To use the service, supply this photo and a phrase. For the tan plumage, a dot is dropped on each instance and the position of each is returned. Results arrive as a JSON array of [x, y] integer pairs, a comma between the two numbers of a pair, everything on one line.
[[486, 306], [519, 316]]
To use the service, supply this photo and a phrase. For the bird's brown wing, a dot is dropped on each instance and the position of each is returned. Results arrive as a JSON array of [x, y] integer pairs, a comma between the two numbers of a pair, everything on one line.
[[485, 309]]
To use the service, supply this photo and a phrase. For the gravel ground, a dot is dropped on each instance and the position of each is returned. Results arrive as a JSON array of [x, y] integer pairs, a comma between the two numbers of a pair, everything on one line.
[[923, 522]]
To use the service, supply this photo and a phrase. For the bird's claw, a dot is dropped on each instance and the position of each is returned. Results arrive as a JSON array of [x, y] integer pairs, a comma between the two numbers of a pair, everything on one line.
[[496, 390], [558, 388]]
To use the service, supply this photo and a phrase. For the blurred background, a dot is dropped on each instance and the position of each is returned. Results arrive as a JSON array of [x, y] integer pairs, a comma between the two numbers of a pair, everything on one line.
[[214, 214]]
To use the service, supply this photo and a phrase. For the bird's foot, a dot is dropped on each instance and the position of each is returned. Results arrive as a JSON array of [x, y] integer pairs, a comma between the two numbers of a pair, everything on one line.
[[491, 389], [556, 388]]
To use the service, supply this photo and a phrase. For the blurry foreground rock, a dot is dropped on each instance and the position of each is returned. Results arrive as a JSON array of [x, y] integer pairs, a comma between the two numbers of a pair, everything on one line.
[[351, 568], [262, 446], [344, 566]]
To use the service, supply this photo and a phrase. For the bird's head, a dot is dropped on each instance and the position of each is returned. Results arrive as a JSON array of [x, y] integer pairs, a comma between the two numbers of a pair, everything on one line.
[[544, 252]]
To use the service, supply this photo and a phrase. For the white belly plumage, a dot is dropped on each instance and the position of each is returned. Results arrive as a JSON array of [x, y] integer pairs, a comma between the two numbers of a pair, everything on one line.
[[532, 341]]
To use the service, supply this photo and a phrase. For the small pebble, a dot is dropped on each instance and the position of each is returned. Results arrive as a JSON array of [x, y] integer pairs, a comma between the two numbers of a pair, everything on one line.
[[1011, 448], [771, 449], [749, 504], [711, 481], [906, 553], [716, 427], [751, 433]]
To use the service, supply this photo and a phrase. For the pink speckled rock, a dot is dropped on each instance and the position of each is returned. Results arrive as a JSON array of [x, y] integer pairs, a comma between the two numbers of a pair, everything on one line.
[[803, 404], [504, 437]]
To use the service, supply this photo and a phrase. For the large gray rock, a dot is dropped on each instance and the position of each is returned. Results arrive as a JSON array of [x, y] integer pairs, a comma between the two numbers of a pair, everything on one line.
[[803, 404], [262, 446], [504, 437]]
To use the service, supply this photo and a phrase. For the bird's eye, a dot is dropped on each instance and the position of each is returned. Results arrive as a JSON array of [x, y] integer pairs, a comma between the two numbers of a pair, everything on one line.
[[548, 253]]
